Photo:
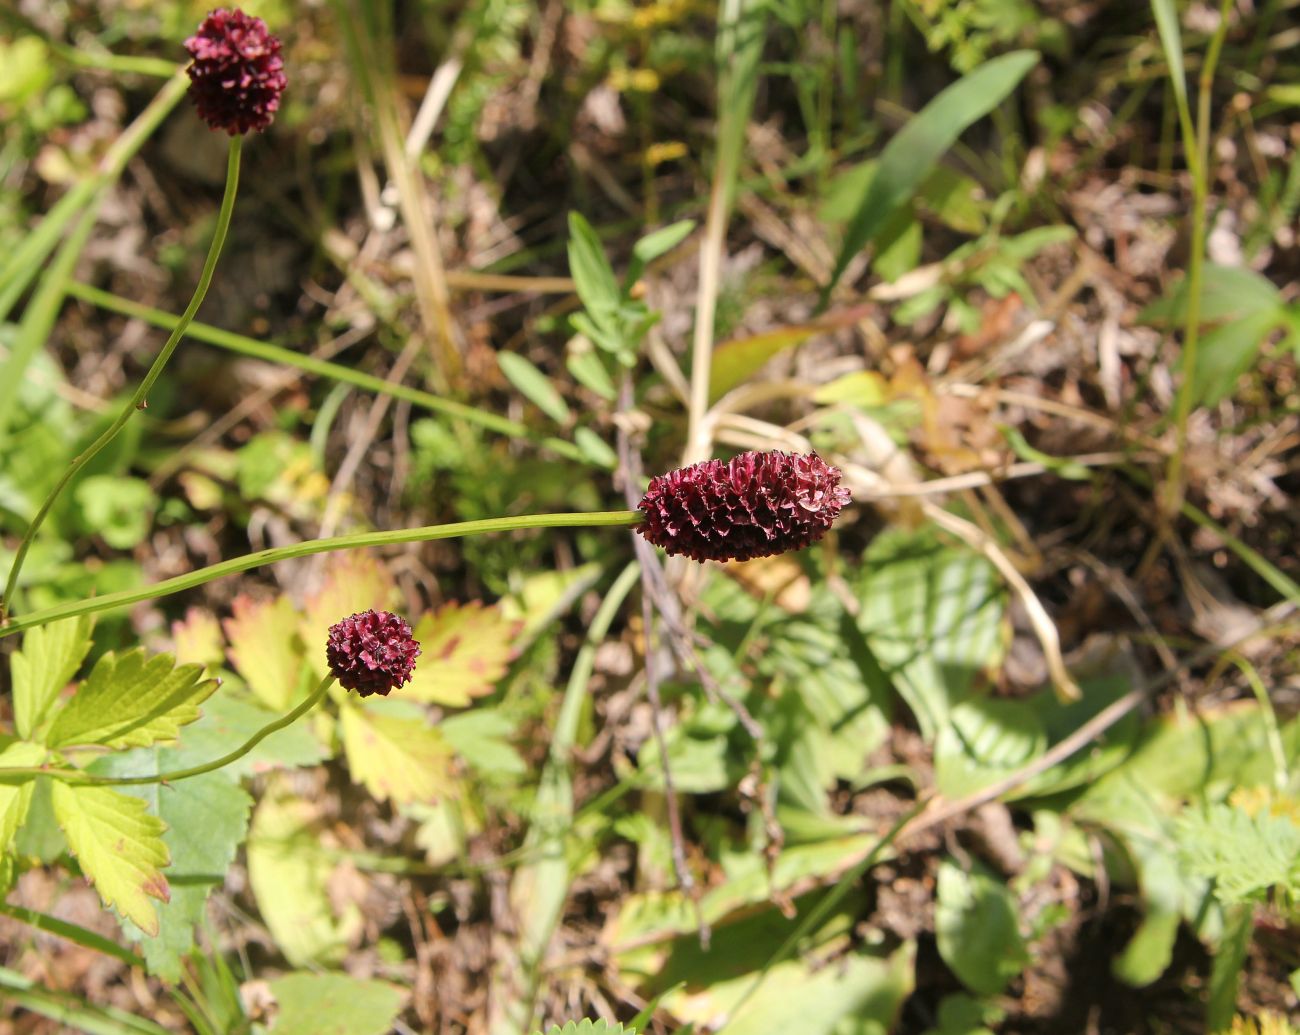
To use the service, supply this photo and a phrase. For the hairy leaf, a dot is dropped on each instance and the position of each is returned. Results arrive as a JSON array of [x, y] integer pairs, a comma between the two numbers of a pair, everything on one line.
[[131, 700], [119, 847]]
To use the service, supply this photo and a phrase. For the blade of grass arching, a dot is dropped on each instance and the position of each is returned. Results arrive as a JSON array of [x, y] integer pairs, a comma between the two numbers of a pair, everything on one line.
[[322, 368], [741, 30], [70, 1011], [541, 886], [1171, 42], [73, 932], [910, 156], [20, 267]]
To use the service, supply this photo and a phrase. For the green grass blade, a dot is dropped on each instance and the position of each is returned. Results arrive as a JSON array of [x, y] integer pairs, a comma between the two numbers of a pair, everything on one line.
[[71, 1012], [912, 153], [1171, 42], [73, 932]]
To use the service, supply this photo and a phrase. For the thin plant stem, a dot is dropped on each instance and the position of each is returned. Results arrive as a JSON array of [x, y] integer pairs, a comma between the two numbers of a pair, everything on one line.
[[1198, 162], [80, 777], [139, 399], [357, 540]]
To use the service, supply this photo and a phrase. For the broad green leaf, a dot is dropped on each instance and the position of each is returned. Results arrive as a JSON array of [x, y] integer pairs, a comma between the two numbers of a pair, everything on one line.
[[228, 720], [976, 929], [16, 798], [119, 509], [932, 617], [985, 740], [50, 657], [397, 759], [1227, 293], [355, 581], [334, 1004], [588, 1027], [207, 820], [131, 700], [534, 386], [290, 877], [1227, 352], [591, 272], [119, 847], [911, 154], [482, 738], [464, 650], [265, 648], [1151, 949]]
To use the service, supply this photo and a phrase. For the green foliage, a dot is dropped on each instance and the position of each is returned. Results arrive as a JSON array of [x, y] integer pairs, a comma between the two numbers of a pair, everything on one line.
[[1246, 855], [977, 927], [334, 1004], [588, 1027]]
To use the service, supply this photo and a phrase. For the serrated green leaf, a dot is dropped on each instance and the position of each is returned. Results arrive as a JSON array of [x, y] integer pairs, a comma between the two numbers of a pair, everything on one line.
[[131, 700], [976, 928], [912, 152], [207, 820], [15, 799], [464, 650], [50, 657], [290, 877], [265, 647], [932, 616], [589, 1027], [534, 386], [334, 1004], [119, 847], [397, 759], [1244, 855]]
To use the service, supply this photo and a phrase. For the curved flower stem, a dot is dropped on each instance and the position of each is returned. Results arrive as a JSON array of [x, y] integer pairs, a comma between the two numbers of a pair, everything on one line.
[[427, 533], [138, 400], [79, 777]]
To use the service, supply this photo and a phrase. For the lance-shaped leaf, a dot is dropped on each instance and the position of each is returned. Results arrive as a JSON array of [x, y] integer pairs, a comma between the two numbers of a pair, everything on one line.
[[119, 846], [464, 650], [396, 758], [131, 701], [49, 659], [16, 798]]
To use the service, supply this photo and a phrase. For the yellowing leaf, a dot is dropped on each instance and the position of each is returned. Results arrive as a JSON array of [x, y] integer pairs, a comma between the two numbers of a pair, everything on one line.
[[464, 650], [264, 647], [397, 759], [119, 846], [131, 701], [49, 659], [736, 360], [197, 639], [863, 387], [354, 582], [290, 874], [15, 798]]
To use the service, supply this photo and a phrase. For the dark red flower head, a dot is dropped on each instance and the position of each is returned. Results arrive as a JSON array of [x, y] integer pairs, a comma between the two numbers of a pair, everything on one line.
[[371, 652], [237, 76], [755, 505]]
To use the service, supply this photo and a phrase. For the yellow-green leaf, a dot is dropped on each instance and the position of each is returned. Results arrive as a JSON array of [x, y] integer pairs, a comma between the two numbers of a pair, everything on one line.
[[131, 701], [49, 659], [264, 647], [464, 650], [16, 797], [119, 847], [290, 875], [397, 759], [354, 582], [197, 639]]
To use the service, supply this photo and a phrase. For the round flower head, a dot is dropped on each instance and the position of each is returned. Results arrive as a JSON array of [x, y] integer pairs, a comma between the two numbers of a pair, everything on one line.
[[754, 505], [237, 76], [371, 652]]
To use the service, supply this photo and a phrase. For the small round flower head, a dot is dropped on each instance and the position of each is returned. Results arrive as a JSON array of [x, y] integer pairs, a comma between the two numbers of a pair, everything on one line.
[[237, 76], [754, 505], [371, 652]]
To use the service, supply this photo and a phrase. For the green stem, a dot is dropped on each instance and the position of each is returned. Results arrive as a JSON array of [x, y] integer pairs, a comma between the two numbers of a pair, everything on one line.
[[1198, 161], [245, 346], [427, 533], [138, 401], [80, 777]]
